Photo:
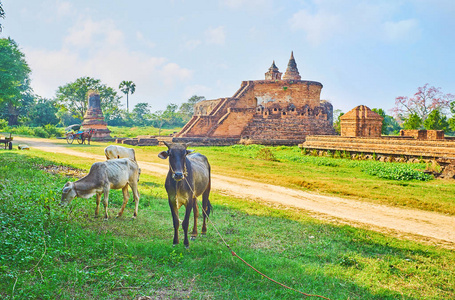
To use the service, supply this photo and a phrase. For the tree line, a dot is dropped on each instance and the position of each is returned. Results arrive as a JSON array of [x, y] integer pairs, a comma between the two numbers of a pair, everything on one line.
[[20, 106]]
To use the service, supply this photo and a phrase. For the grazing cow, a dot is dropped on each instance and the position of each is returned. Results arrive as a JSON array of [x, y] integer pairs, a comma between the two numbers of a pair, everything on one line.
[[103, 176], [187, 179], [113, 152]]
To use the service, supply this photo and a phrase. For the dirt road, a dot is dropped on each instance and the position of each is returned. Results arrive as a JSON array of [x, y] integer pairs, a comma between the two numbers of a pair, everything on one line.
[[415, 224]]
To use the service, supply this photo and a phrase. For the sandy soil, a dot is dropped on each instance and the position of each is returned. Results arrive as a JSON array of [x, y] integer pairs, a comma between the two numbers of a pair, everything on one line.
[[423, 226]]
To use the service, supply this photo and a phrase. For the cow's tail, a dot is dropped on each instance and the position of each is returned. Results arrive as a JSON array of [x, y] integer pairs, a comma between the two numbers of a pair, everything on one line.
[[209, 207]]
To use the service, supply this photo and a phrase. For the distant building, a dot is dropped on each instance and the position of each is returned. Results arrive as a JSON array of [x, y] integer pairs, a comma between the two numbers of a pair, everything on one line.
[[270, 109], [94, 119], [361, 122]]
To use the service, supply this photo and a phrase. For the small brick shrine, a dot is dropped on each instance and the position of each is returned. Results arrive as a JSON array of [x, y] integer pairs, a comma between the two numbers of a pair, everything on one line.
[[361, 122], [94, 118]]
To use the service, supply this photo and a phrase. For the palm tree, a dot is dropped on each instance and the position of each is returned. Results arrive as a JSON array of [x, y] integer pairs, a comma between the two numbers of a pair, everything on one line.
[[127, 87]]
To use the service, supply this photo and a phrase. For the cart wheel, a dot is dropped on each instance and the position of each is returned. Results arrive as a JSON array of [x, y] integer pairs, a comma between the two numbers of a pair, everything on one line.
[[79, 140], [10, 146], [69, 138]]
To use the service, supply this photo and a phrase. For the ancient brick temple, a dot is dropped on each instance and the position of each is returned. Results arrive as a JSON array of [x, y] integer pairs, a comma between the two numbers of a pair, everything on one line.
[[361, 122], [94, 117], [276, 108]]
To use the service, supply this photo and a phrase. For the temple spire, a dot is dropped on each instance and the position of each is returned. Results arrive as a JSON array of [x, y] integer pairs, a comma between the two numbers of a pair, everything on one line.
[[273, 73], [292, 73]]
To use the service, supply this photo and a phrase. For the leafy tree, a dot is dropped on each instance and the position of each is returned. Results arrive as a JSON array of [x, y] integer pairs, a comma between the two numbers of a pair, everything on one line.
[[424, 101], [65, 117], [15, 91], [158, 120], [43, 112], [187, 109], [73, 96], [142, 114], [392, 126], [412, 122], [381, 112], [127, 87], [436, 121], [173, 117], [337, 113], [2, 15]]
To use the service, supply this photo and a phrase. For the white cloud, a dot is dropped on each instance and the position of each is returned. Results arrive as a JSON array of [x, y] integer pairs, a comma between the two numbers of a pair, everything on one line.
[[215, 36], [199, 90], [97, 49], [401, 30], [64, 8], [141, 38], [350, 20], [87, 33], [192, 44], [248, 4], [318, 27]]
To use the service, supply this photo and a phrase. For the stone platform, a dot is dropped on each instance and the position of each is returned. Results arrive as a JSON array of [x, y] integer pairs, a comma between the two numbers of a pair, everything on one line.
[[402, 146]]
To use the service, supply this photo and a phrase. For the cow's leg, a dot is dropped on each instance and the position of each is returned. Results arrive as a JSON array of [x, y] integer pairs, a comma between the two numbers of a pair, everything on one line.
[[136, 198], [205, 209], [105, 203], [126, 197], [186, 220], [175, 219], [98, 200], [195, 215]]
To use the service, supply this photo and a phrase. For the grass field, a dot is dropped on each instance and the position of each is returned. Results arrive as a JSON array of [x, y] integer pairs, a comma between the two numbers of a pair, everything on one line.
[[53, 253], [347, 178]]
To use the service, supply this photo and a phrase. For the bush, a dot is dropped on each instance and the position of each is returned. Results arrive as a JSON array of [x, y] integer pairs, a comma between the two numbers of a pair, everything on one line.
[[3, 125], [395, 172], [41, 132], [266, 154], [52, 130], [23, 130]]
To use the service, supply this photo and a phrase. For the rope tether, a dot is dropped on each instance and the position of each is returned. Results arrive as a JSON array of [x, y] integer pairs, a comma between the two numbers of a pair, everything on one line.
[[236, 255]]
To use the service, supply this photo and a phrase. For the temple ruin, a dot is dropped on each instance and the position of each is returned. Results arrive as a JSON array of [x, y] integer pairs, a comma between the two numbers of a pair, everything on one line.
[[275, 109], [94, 119]]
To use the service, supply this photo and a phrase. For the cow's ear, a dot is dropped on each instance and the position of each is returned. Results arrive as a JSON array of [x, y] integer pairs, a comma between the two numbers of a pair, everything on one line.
[[163, 154], [189, 151], [67, 187]]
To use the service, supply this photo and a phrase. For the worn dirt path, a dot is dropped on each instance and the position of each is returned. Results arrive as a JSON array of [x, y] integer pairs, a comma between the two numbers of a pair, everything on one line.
[[415, 224]]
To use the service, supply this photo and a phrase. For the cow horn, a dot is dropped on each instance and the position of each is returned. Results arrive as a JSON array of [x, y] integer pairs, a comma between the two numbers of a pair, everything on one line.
[[187, 144], [167, 145]]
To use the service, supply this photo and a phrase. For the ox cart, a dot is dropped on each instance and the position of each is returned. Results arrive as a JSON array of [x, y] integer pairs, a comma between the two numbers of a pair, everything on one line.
[[7, 140], [74, 132]]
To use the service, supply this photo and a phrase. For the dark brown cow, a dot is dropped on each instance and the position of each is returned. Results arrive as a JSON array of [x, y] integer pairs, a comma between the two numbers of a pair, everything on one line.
[[187, 179]]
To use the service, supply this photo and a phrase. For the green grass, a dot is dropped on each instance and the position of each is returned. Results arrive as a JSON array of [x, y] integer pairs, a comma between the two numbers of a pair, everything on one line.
[[48, 252], [287, 166], [120, 131]]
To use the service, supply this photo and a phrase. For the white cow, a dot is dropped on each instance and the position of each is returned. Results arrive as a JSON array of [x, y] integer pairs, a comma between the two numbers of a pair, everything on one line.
[[103, 176], [113, 152]]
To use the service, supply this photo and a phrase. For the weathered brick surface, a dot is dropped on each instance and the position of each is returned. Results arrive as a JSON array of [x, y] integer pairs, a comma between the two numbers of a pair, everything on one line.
[[263, 110], [362, 122], [399, 146], [93, 118], [424, 134]]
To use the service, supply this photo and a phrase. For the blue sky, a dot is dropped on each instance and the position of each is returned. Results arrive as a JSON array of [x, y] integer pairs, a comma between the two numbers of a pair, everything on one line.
[[363, 52]]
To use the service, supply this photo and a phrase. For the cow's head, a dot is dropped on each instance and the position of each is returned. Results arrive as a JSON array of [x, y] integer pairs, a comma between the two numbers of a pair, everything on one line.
[[176, 153], [68, 194]]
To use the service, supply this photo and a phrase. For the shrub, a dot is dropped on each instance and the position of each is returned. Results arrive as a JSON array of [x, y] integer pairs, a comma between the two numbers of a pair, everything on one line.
[[52, 130], [41, 132], [395, 172], [266, 154], [23, 130], [3, 125]]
